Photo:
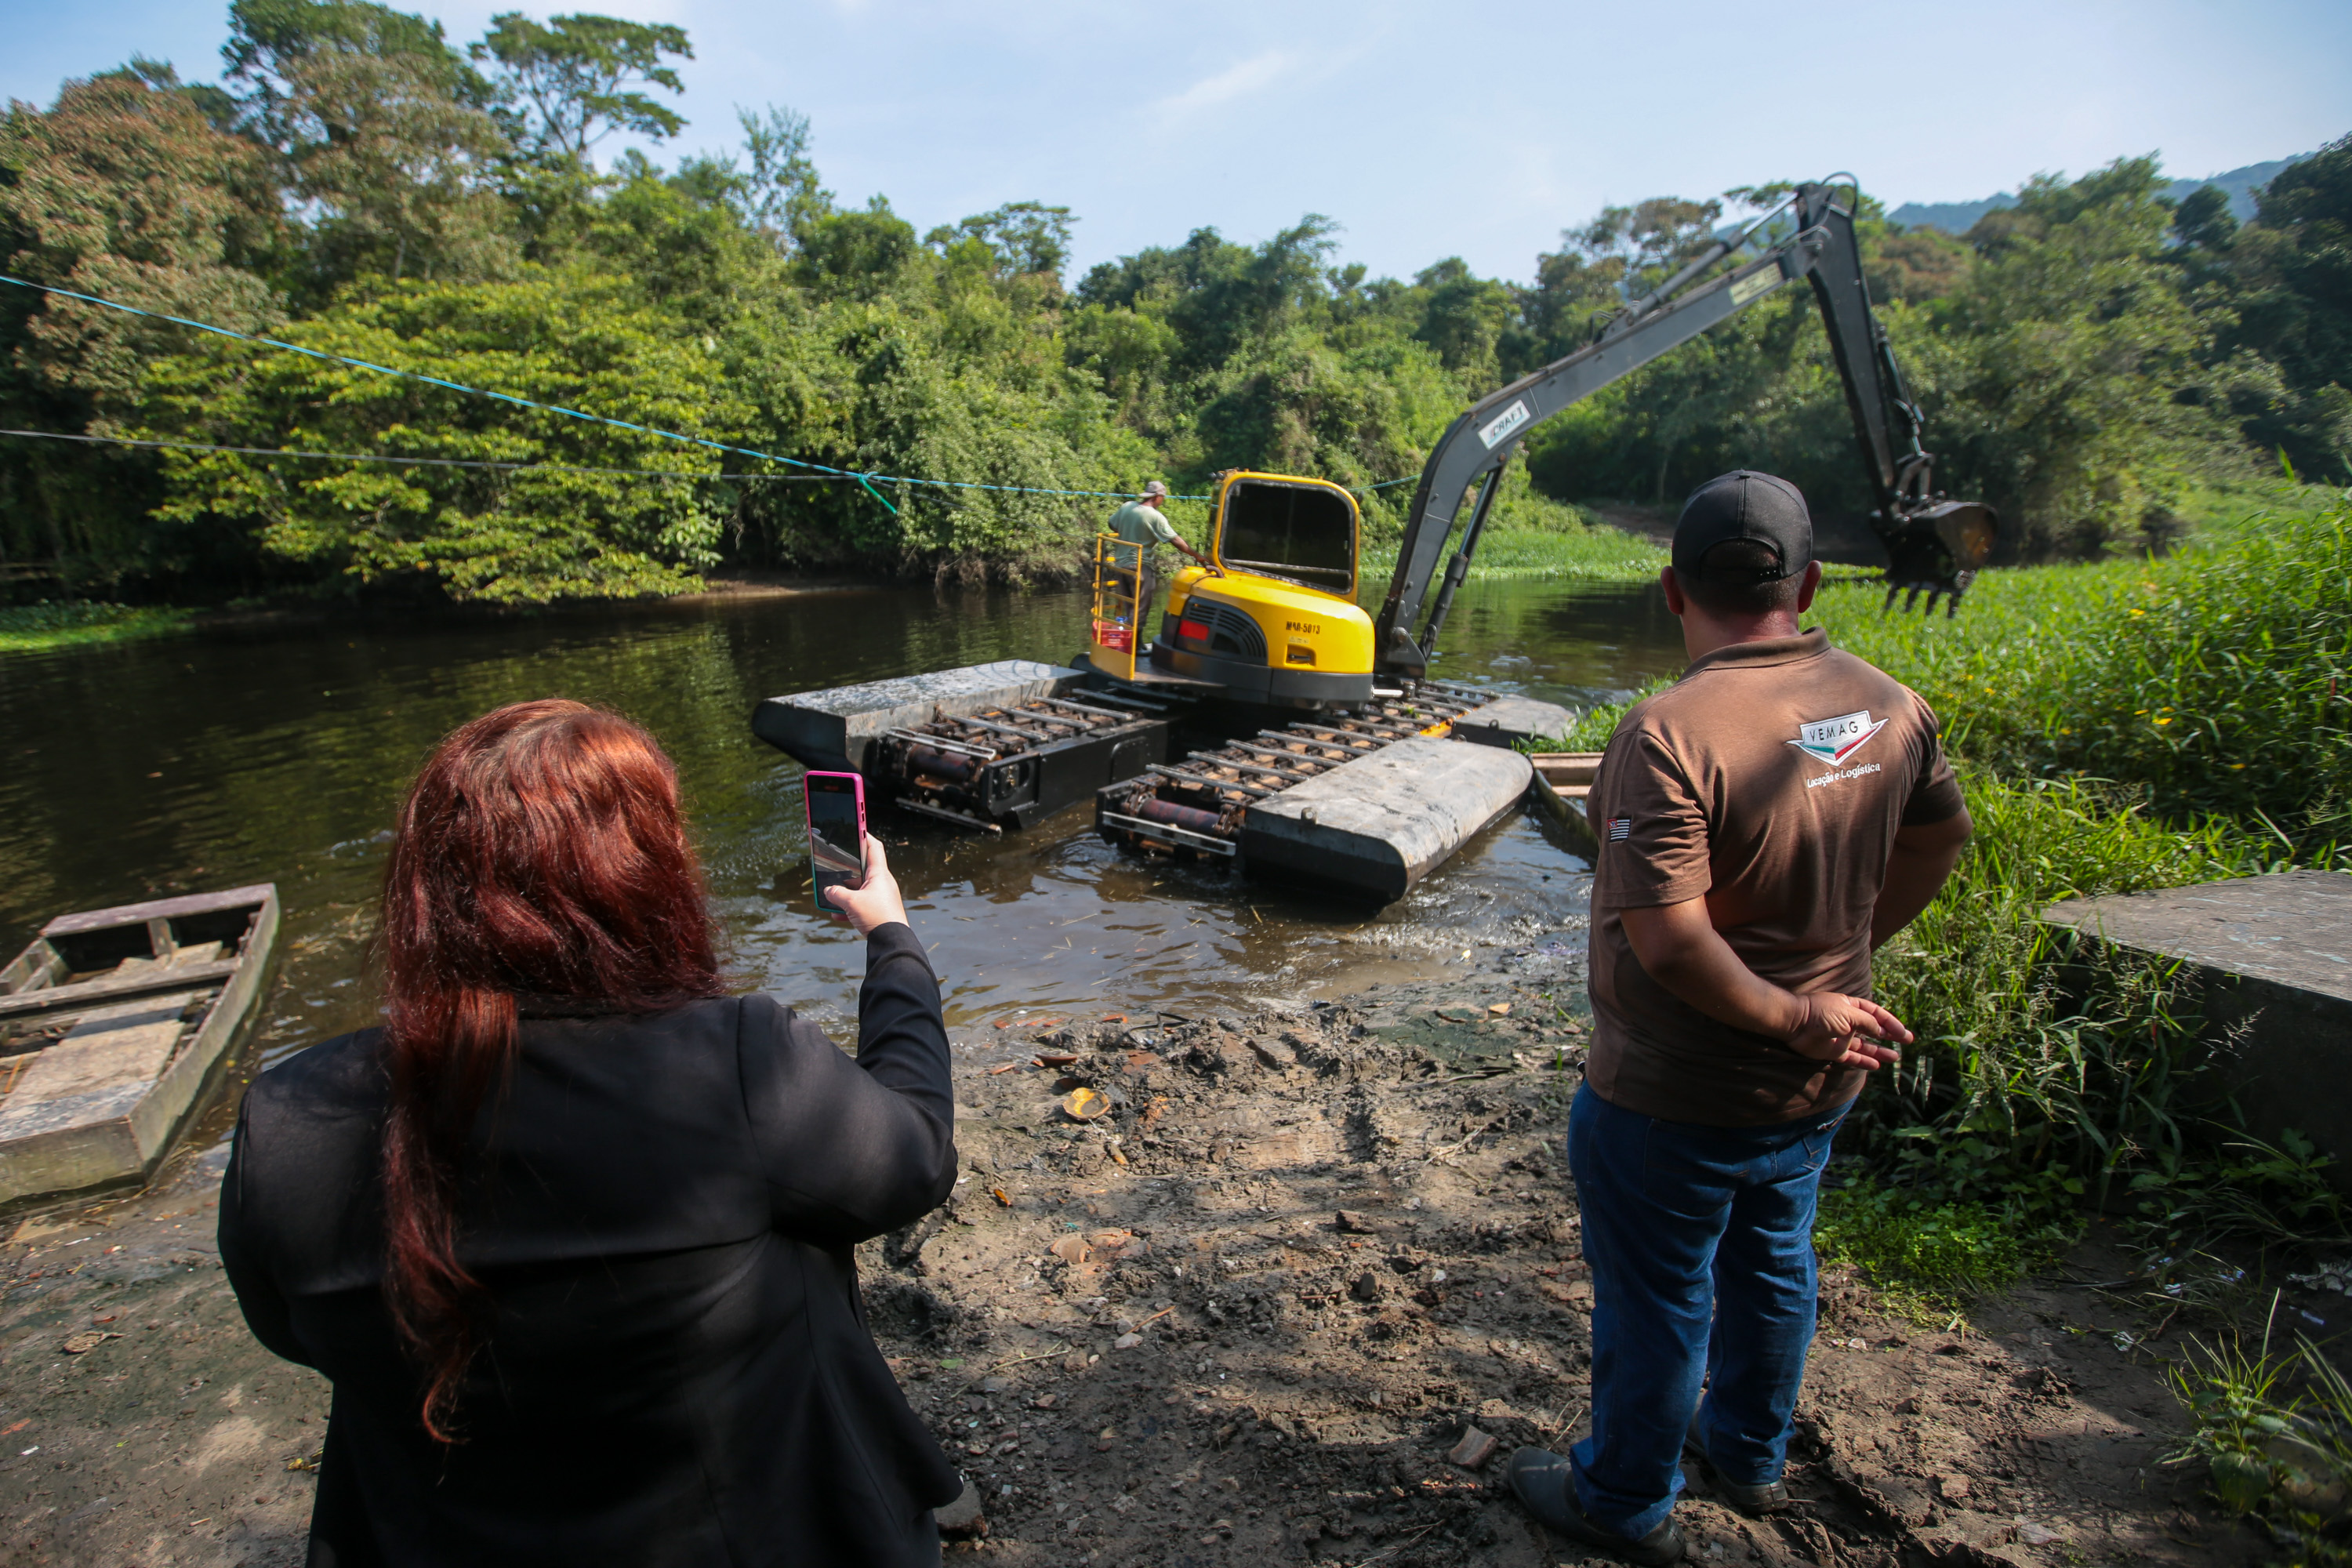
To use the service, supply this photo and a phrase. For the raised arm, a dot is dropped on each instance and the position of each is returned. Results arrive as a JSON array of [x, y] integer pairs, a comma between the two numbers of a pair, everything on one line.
[[853, 1149]]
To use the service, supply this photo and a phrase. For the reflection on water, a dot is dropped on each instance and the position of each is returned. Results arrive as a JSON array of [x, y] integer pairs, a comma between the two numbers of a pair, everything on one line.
[[212, 760]]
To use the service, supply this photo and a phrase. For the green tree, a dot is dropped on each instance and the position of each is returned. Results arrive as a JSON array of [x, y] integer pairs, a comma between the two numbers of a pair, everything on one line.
[[2061, 374], [780, 194], [1358, 410], [270, 40], [574, 338], [571, 81], [1463, 321], [858, 253], [1914, 266], [2290, 287], [1018, 240], [124, 189], [675, 239], [1622, 252], [385, 131], [1573, 293], [1217, 295], [1127, 354]]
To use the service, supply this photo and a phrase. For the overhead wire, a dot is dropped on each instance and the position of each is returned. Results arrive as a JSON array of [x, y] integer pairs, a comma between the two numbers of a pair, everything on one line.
[[866, 480], [534, 467], [421, 462]]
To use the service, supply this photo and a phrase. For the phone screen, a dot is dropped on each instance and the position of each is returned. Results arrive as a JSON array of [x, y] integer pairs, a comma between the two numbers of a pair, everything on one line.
[[835, 834]]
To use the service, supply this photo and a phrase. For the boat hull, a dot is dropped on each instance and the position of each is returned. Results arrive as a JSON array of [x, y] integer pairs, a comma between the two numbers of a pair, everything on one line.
[[100, 1106]]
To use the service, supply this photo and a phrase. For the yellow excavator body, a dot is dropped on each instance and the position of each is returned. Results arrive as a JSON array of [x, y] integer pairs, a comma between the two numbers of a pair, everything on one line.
[[1277, 621]]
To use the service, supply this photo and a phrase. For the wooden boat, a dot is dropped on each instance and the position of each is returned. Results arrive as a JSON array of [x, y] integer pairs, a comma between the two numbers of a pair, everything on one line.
[[109, 1024], [1563, 780]]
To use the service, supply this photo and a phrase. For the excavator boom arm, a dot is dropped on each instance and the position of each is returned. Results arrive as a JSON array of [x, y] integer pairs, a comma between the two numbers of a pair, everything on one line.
[[1824, 249]]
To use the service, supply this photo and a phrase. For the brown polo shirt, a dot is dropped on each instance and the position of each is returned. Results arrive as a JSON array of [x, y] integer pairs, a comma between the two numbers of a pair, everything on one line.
[[1770, 778]]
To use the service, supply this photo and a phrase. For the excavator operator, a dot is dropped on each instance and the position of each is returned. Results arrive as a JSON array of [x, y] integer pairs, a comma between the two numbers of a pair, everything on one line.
[[1141, 522]]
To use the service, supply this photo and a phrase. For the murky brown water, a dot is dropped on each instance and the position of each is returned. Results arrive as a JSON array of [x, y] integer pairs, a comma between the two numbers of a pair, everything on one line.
[[227, 757]]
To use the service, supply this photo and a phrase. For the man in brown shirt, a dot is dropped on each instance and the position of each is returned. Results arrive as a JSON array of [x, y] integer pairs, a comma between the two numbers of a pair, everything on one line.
[[1764, 824]]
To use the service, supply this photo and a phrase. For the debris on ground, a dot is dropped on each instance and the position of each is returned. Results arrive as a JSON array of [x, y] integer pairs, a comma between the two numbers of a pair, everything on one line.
[[1354, 1278], [1254, 1312]]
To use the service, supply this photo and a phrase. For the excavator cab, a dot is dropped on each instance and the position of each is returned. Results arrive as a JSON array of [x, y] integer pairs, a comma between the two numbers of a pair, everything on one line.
[[1277, 621]]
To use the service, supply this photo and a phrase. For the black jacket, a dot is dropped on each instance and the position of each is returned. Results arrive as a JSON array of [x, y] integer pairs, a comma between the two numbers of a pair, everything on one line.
[[678, 1369]]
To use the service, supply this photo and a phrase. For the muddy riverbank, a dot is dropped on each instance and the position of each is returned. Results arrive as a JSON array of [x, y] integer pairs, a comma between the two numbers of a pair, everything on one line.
[[1244, 1317]]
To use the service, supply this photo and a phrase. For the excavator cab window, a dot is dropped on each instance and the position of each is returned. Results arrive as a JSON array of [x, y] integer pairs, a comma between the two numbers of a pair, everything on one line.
[[1305, 532]]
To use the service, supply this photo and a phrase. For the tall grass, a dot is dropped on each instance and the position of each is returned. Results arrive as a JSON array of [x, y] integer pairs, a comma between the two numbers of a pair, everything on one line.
[[2218, 680], [2120, 727], [2274, 1426], [2044, 1073], [2126, 726]]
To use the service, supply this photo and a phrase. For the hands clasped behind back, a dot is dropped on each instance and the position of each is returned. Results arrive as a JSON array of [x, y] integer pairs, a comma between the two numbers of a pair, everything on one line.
[[1679, 945], [1852, 1030]]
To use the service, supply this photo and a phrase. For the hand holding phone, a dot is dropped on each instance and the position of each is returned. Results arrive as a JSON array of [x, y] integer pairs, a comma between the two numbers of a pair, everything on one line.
[[876, 902], [847, 871]]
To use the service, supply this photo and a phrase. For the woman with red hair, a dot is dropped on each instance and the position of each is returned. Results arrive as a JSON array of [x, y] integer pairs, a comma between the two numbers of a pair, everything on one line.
[[569, 1234]]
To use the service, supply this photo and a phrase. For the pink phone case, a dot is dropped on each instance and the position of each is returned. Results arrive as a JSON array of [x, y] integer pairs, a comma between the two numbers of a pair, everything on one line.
[[819, 793]]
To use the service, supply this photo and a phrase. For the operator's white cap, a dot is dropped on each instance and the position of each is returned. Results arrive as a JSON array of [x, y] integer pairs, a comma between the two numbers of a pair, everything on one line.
[[1155, 489]]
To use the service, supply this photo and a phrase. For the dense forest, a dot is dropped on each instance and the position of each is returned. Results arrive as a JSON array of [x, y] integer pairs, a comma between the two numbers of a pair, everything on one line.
[[363, 187]]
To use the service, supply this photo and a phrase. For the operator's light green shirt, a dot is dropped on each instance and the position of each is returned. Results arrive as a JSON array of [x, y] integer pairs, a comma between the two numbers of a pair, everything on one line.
[[1140, 524]]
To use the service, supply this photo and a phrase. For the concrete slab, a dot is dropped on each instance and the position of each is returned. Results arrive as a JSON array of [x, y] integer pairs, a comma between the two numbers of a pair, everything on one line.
[[1378, 825], [2275, 954], [835, 728], [1508, 720]]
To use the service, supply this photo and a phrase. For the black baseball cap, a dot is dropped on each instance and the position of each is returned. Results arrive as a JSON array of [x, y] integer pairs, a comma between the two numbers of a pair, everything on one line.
[[1743, 504]]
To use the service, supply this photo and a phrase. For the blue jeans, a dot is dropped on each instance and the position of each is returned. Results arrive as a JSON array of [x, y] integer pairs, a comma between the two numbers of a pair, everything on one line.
[[1701, 1245]]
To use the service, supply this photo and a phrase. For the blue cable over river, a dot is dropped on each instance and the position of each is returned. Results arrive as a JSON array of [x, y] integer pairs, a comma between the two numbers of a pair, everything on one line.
[[866, 480]]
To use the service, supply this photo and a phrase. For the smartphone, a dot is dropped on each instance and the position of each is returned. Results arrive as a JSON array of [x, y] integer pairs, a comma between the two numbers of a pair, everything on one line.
[[836, 836]]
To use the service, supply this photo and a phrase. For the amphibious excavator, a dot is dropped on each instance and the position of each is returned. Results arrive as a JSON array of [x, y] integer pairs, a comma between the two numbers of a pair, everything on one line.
[[1266, 717]]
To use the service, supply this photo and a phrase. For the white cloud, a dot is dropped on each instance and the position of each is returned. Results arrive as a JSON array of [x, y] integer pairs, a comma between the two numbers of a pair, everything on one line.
[[1236, 80]]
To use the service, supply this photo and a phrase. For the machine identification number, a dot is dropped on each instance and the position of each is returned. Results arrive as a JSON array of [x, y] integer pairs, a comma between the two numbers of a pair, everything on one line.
[[1505, 422], [1304, 628], [1754, 284]]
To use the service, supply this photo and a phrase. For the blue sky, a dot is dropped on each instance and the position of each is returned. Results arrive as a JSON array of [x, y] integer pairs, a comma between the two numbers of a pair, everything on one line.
[[1424, 132]]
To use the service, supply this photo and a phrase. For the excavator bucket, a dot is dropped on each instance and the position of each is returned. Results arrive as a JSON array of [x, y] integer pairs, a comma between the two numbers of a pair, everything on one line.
[[1939, 550]]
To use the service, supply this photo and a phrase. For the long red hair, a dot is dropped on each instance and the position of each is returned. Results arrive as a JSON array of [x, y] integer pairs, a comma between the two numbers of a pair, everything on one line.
[[541, 851]]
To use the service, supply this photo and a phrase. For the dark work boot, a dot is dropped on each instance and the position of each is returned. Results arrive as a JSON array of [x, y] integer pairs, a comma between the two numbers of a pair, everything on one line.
[[1755, 1501], [1540, 1480]]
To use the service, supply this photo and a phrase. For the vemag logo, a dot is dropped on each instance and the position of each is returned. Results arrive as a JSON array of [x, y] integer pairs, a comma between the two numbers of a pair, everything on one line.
[[1833, 741]]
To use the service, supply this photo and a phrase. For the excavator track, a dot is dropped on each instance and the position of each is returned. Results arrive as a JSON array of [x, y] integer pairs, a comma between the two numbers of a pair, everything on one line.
[[1194, 807], [1020, 762]]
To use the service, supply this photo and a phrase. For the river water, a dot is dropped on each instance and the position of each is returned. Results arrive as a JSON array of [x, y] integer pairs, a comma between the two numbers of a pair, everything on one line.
[[278, 753]]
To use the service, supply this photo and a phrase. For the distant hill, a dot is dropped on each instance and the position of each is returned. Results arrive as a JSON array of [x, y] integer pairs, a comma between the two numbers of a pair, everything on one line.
[[1958, 217]]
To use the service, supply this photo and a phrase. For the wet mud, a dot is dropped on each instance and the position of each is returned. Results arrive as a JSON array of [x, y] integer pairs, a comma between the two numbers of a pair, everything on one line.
[[1247, 1314]]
